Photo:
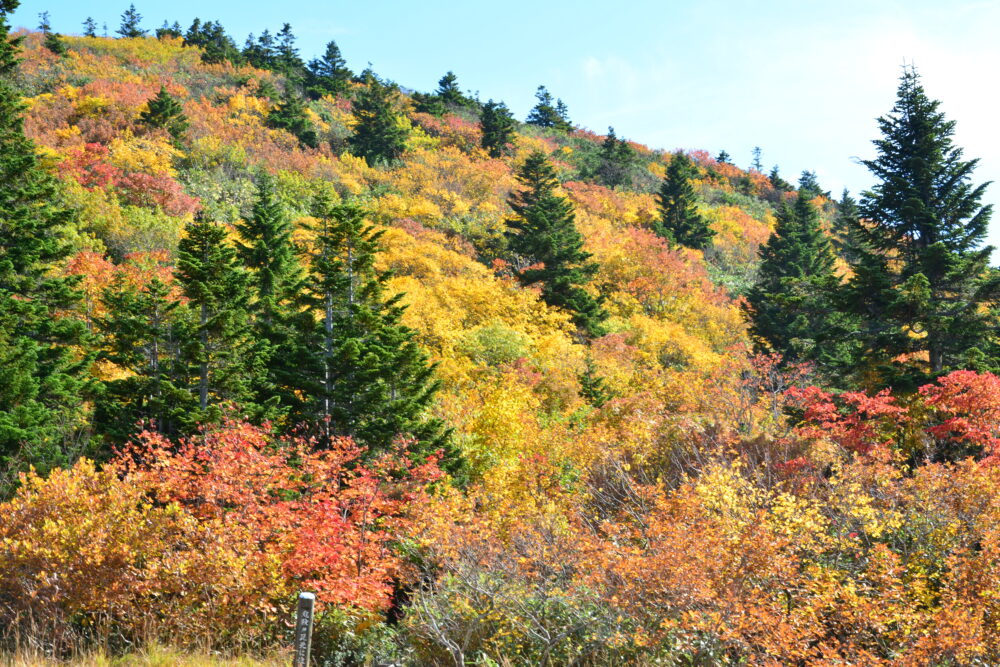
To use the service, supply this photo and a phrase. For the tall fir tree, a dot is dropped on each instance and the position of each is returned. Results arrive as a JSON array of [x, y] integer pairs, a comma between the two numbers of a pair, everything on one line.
[[922, 285], [498, 127], [448, 91], [380, 132], [89, 27], [545, 113], [328, 74], [163, 111], [679, 221], [287, 59], [543, 236], [219, 350], [276, 280], [789, 305], [42, 368], [131, 24], [615, 160], [290, 115], [143, 331], [809, 186], [370, 378]]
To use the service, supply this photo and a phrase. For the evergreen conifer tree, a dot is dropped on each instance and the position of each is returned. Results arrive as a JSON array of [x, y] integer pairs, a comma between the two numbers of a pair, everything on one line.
[[380, 133], [276, 279], [167, 30], [547, 114], [593, 388], [89, 27], [497, 124], [723, 158], [755, 164], [777, 182], [679, 220], [143, 331], [290, 115], [543, 236], [131, 24], [788, 307], [809, 186], [329, 74], [219, 351], [922, 285], [42, 368], [448, 91], [370, 379], [165, 112], [287, 60], [616, 158]]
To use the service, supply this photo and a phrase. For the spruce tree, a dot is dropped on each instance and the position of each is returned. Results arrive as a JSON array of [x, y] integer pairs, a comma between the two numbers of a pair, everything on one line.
[[42, 368], [290, 115], [788, 307], [548, 247], [329, 74], [755, 164], [287, 59], [89, 27], [167, 30], [218, 352], [276, 279], [809, 186], [371, 380], [922, 285], [380, 133], [593, 388], [547, 114], [777, 182], [723, 158], [448, 91], [163, 111], [131, 24], [498, 125], [54, 43], [679, 220], [143, 331], [616, 159]]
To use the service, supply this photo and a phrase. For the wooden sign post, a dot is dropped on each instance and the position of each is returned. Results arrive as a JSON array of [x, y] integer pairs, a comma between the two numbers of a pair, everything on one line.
[[304, 628]]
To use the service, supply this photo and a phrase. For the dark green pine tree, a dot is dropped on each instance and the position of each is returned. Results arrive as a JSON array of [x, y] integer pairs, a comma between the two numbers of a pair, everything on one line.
[[547, 114], [616, 160], [679, 220], [922, 284], [592, 386], [845, 225], [142, 333], [788, 307], [167, 30], [290, 115], [498, 125], [329, 74], [809, 186], [548, 248], [163, 111], [131, 24], [380, 133], [89, 27], [276, 280], [219, 350], [262, 52], [287, 60], [448, 91], [211, 38], [370, 379], [53, 40], [777, 182], [723, 158], [42, 368]]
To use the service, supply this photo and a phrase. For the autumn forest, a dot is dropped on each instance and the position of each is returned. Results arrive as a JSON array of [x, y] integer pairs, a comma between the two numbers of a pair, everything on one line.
[[498, 391]]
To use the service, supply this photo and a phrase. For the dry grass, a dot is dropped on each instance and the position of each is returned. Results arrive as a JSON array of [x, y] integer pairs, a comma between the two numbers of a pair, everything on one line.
[[153, 656]]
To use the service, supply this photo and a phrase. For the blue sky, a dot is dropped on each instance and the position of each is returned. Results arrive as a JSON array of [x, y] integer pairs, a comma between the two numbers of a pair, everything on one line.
[[803, 80]]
